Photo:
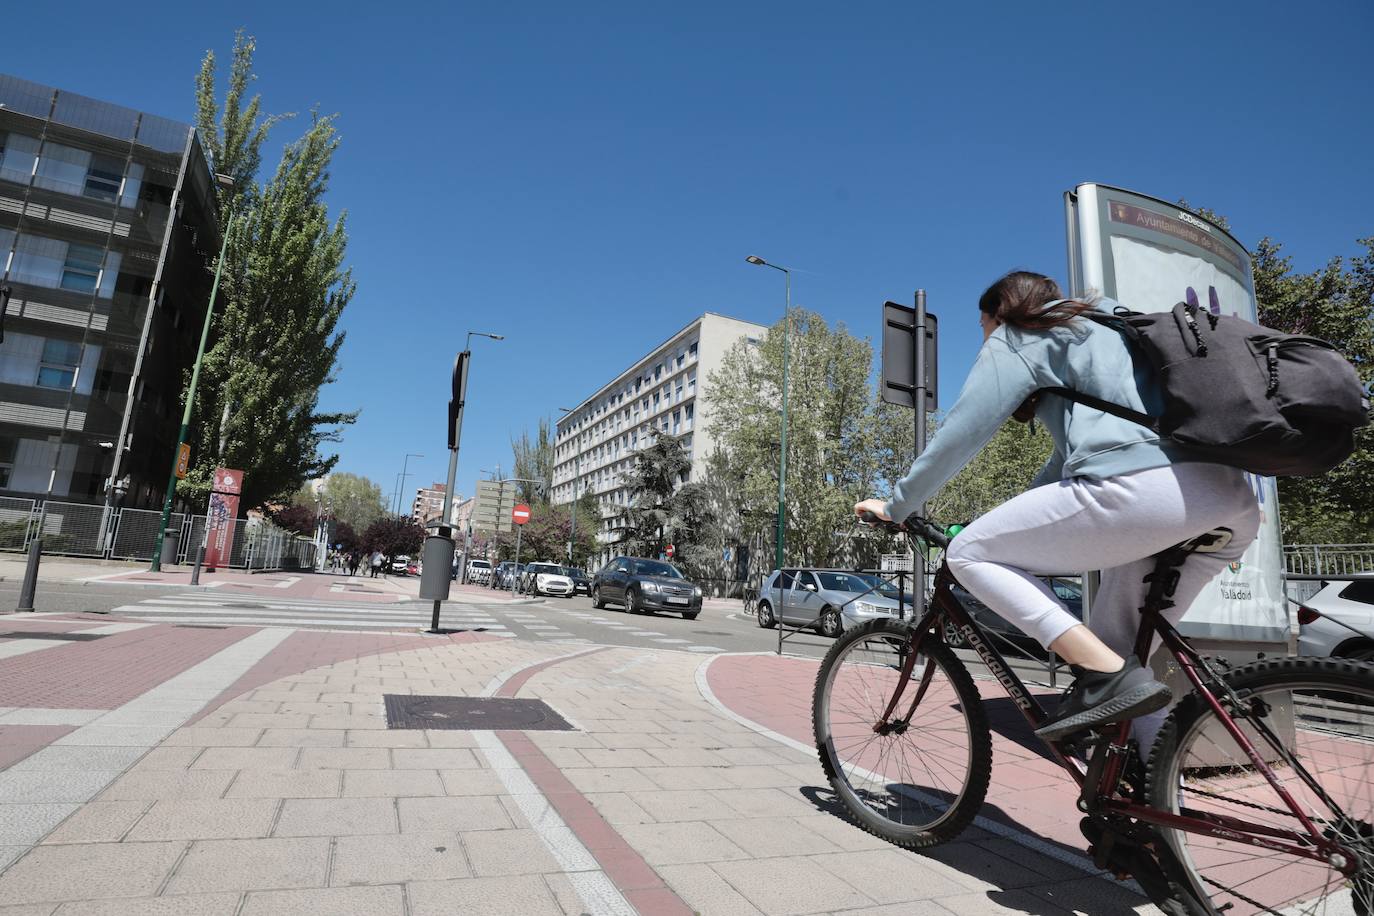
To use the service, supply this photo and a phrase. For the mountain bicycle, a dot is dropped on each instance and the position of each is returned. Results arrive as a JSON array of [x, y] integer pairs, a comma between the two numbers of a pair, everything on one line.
[[1256, 797]]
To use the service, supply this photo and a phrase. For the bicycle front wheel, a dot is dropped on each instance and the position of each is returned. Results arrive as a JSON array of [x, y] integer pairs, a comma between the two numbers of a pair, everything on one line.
[[921, 780], [1321, 712]]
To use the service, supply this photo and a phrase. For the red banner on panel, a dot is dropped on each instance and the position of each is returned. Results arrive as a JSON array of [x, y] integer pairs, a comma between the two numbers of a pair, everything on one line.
[[220, 520]]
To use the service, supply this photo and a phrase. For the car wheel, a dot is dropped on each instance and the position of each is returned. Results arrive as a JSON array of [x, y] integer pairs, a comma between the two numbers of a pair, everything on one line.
[[596, 599], [690, 615], [953, 637], [830, 624], [765, 615], [1361, 654], [632, 603]]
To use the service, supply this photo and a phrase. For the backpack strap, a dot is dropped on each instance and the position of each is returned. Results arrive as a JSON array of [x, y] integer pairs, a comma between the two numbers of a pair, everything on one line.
[[1125, 413]]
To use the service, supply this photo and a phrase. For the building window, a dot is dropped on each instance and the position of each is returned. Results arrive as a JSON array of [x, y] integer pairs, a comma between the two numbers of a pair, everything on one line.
[[656, 401], [691, 381], [678, 393], [8, 447], [680, 359], [692, 352], [58, 368], [658, 371], [104, 177], [81, 270], [677, 422]]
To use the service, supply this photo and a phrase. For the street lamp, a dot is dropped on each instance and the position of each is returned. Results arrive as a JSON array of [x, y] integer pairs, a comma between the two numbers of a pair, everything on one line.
[[782, 448], [226, 183], [577, 483], [401, 481]]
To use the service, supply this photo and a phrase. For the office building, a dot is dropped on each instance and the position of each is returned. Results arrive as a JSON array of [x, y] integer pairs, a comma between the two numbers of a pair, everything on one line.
[[107, 226], [664, 390]]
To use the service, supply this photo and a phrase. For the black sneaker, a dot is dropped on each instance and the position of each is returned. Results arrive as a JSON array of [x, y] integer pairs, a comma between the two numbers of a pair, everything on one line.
[[1103, 697]]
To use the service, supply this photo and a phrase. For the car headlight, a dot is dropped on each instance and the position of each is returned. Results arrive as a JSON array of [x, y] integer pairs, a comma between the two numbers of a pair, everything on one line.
[[541, 578], [696, 590], [649, 586], [868, 607]]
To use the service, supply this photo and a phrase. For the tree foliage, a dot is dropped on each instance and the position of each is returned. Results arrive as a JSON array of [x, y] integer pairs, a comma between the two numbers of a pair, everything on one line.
[[352, 498], [275, 340], [840, 442], [394, 537], [665, 507], [545, 537], [533, 462], [296, 518], [1003, 469]]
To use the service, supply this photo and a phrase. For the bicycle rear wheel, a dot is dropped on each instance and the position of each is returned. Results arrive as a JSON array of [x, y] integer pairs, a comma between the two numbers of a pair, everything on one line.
[[922, 782], [1322, 712]]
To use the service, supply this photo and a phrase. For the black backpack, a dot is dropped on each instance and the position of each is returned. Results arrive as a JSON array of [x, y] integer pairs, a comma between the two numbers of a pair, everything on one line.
[[1239, 394]]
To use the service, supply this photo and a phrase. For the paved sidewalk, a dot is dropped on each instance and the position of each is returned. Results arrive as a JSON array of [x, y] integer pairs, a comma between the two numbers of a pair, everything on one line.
[[251, 771]]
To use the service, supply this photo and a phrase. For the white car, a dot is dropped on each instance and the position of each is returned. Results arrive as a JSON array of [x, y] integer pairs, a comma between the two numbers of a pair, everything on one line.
[[1339, 621], [479, 571], [546, 579]]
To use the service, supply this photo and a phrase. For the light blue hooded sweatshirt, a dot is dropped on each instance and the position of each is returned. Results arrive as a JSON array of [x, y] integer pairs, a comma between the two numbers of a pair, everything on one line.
[[1012, 364]]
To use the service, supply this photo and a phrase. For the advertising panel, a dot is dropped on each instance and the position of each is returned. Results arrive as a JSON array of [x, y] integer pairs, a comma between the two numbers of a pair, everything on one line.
[[220, 519], [1149, 255]]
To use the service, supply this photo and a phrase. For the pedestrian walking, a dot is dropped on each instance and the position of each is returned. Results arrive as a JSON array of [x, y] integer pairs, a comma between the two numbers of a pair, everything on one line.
[[376, 563]]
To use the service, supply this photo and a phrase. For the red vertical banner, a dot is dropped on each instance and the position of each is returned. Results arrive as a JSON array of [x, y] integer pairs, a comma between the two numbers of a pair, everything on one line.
[[224, 508]]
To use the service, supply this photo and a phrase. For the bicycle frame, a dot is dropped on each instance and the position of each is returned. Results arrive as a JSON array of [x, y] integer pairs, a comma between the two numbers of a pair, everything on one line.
[[1107, 766]]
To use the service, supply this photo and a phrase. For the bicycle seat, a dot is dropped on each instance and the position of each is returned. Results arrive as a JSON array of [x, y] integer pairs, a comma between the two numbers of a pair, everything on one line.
[[1210, 542]]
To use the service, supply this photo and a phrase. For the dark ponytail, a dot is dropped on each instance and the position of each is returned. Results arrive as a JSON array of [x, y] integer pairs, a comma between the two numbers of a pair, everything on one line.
[[1023, 300]]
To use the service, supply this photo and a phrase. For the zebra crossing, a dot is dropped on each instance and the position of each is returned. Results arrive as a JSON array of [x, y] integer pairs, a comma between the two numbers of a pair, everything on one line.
[[539, 622]]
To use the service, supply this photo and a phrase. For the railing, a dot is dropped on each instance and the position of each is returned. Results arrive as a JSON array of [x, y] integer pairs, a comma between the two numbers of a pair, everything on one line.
[[1328, 559], [85, 530]]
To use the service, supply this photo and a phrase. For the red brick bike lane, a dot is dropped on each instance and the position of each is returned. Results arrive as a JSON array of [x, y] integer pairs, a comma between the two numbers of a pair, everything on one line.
[[1028, 791]]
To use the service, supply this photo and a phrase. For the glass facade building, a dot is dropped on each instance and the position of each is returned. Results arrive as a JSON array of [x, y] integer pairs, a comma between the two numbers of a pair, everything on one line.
[[108, 233]]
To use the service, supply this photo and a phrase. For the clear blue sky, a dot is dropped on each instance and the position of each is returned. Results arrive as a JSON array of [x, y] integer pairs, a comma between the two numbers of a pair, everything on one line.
[[586, 178]]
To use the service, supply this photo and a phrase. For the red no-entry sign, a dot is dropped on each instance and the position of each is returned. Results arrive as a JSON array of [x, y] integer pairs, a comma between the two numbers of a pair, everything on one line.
[[520, 514]]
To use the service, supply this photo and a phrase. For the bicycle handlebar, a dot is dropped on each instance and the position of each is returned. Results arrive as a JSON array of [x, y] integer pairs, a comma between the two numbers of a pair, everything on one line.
[[914, 525]]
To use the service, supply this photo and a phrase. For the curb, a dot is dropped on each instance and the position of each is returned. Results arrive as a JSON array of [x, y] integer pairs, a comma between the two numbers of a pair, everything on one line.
[[85, 582]]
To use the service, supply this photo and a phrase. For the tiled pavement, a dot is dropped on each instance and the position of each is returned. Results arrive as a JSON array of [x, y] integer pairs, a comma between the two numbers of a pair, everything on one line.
[[293, 796]]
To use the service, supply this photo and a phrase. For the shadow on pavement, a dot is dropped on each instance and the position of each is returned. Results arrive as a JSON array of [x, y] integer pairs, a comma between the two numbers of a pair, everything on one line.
[[1023, 879]]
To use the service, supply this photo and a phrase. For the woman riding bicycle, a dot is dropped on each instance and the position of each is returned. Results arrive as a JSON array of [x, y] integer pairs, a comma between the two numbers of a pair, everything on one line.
[[1112, 495]]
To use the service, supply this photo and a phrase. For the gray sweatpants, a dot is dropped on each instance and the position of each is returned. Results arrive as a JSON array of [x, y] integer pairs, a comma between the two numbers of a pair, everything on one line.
[[1113, 525]]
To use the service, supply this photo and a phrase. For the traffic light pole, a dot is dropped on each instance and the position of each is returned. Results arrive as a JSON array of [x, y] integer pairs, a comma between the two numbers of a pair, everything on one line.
[[918, 560], [190, 402], [460, 387]]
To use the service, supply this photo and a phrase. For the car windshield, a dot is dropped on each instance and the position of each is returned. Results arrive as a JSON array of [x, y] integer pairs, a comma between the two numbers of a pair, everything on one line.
[[844, 582], [655, 568], [547, 568]]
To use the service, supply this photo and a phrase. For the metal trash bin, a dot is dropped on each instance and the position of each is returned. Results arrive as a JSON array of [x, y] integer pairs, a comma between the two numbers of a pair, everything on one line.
[[171, 540]]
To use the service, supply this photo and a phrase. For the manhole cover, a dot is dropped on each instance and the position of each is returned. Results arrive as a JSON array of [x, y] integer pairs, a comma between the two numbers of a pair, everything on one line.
[[474, 713], [42, 634]]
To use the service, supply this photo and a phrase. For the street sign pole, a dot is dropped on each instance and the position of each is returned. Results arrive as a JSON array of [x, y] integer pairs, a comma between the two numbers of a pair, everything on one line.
[[918, 565]]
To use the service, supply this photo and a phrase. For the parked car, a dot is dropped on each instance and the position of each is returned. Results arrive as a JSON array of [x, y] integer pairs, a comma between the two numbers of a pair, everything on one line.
[[400, 565], [412, 568], [1068, 592], [828, 600], [1325, 621], [645, 585], [582, 585], [546, 579], [479, 571]]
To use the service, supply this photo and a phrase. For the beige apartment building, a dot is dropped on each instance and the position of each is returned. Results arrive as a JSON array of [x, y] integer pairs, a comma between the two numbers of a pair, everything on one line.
[[665, 389]]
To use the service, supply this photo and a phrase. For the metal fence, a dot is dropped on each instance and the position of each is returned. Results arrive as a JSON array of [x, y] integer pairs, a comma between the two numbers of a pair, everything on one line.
[[1328, 559], [83, 530]]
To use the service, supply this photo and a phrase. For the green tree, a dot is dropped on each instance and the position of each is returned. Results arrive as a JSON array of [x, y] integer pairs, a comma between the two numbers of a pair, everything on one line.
[[840, 442], [665, 508], [275, 340], [533, 461], [1003, 469], [355, 499], [545, 537]]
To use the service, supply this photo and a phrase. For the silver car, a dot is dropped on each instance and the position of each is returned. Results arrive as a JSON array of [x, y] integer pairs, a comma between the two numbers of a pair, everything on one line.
[[1343, 622], [826, 599]]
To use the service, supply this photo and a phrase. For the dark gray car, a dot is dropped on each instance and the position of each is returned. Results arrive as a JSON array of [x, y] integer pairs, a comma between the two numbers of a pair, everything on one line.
[[645, 585]]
